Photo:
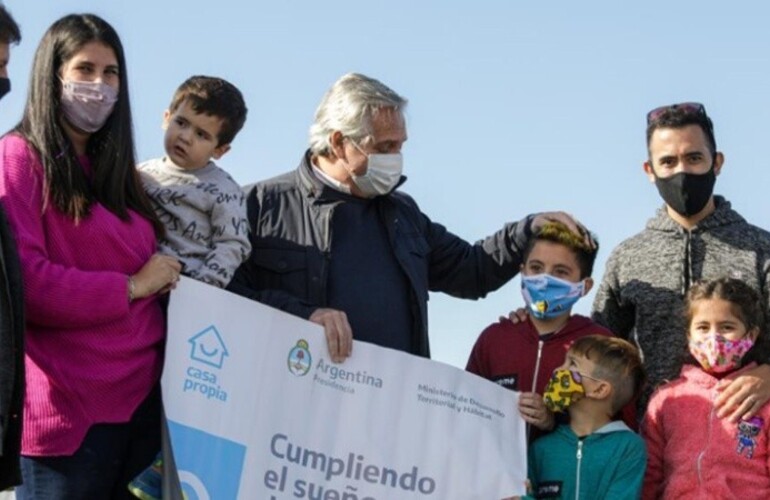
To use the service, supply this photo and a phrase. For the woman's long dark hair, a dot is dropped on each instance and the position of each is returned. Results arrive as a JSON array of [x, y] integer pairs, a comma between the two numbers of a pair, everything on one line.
[[114, 181]]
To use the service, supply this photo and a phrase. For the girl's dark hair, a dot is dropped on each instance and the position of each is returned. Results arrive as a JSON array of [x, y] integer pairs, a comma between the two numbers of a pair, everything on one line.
[[114, 181], [747, 305]]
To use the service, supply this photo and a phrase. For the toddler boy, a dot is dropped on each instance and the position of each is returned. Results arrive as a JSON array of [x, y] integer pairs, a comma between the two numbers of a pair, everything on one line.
[[202, 207]]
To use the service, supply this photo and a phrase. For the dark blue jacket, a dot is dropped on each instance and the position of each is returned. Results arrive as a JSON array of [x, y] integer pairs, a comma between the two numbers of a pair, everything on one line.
[[290, 217]]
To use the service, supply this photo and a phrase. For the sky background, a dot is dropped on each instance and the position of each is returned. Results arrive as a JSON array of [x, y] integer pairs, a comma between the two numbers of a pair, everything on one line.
[[514, 107]]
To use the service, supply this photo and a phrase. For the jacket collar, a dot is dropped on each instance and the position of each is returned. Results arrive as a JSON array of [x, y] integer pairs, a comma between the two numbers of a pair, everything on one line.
[[615, 426], [576, 323], [723, 215], [309, 184], [695, 374]]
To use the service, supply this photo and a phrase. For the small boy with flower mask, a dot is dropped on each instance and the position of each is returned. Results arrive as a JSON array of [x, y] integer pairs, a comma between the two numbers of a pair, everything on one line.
[[593, 456]]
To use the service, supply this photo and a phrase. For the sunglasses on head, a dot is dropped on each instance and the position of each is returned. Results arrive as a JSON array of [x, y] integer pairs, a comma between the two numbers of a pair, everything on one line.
[[686, 107]]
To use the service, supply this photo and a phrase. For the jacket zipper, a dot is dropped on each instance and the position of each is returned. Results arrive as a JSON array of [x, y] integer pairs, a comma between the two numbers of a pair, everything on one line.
[[579, 456], [327, 252], [534, 377], [327, 236], [703, 451], [688, 278]]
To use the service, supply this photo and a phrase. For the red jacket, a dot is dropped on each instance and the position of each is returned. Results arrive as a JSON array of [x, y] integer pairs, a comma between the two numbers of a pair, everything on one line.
[[694, 454], [516, 357]]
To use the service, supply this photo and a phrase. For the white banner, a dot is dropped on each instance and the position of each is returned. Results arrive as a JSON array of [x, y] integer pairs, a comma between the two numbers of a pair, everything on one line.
[[257, 410]]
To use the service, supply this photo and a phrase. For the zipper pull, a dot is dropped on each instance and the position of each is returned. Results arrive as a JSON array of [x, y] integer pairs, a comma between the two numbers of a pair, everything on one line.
[[580, 450]]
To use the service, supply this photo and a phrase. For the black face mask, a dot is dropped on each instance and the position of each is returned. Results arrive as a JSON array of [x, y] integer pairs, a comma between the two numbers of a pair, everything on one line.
[[687, 194], [5, 86]]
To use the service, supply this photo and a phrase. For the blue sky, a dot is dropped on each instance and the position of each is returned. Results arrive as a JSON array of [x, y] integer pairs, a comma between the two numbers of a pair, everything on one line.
[[515, 107]]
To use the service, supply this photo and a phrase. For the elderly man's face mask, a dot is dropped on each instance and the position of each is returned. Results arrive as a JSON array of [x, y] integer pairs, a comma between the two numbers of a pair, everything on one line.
[[383, 172]]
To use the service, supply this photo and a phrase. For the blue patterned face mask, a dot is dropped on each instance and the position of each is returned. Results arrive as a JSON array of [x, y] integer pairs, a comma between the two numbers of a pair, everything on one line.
[[548, 297]]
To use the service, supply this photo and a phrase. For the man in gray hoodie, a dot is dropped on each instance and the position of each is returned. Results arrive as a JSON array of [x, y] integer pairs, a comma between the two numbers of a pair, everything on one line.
[[695, 236]]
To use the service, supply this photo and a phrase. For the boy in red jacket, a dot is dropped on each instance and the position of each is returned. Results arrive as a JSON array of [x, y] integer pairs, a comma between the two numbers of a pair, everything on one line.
[[555, 274]]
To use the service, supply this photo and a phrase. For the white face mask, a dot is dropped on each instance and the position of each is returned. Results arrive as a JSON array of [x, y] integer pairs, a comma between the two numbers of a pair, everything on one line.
[[383, 171]]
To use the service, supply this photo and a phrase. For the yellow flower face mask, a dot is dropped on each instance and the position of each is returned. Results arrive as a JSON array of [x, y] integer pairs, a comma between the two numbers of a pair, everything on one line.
[[562, 389]]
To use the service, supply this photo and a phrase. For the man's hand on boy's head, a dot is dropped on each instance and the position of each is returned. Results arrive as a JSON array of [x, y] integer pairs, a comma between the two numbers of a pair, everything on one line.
[[533, 411], [539, 220], [743, 397]]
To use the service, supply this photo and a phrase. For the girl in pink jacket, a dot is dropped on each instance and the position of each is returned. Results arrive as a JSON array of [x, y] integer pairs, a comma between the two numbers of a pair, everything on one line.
[[691, 452]]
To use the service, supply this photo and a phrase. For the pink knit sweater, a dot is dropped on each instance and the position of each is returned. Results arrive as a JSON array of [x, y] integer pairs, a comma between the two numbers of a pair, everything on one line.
[[90, 357], [694, 454]]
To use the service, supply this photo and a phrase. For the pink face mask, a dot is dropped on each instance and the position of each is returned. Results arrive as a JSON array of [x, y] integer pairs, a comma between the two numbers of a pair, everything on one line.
[[716, 354], [87, 105]]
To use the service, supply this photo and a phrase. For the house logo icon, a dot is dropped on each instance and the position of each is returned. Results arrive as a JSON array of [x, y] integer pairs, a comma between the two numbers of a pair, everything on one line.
[[208, 347], [299, 360]]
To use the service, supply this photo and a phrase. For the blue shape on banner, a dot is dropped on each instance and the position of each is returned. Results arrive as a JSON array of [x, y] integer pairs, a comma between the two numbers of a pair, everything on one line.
[[208, 347], [210, 467]]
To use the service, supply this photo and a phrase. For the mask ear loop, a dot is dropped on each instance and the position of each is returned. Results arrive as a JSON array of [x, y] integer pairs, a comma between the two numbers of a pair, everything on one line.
[[358, 147], [355, 145]]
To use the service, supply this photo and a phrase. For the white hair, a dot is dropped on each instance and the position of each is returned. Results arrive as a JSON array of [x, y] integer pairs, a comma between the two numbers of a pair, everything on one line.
[[348, 106]]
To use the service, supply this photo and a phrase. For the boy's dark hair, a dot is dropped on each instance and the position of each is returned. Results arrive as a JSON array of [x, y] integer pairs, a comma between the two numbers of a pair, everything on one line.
[[680, 116], [214, 97], [556, 232], [617, 362], [746, 304], [9, 30]]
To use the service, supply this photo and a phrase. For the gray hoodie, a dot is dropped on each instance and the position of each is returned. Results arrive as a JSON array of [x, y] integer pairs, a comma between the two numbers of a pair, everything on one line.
[[647, 275]]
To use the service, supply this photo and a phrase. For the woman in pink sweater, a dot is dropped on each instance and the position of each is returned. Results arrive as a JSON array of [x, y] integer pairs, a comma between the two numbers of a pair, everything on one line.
[[86, 236], [691, 452]]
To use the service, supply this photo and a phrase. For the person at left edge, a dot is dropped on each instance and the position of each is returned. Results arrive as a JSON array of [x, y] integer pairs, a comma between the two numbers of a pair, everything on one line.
[[86, 235], [337, 242], [11, 307], [9, 34]]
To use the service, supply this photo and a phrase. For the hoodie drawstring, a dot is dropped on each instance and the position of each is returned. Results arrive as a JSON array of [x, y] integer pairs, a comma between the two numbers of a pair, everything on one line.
[[687, 281]]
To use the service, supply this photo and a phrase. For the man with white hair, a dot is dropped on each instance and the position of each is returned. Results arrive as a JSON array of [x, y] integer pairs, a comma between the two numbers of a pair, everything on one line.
[[335, 241]]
